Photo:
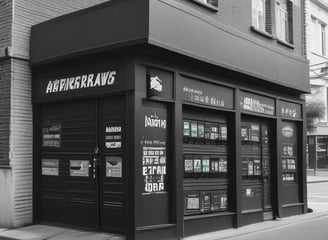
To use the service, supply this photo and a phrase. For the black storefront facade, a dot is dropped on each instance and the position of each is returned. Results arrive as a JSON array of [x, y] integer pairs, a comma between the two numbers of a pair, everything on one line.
[[141, 140]]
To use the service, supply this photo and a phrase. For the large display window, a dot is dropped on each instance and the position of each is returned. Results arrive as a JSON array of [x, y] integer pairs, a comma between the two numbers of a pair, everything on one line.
[[206, 161]]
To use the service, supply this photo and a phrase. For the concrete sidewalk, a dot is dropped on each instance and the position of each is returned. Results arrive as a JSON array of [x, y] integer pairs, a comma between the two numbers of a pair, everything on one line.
[[40, 232], [317, 176]]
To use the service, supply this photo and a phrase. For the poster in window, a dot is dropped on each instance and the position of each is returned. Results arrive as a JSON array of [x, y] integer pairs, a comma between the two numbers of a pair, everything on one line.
[[192, 201], [214, 165], [288, 150], [284, 164], [201, 130], [255, 133], [207, 131], [223, 133], [215, 197], [113, 166], [245, 166], [224, 202], [206, 202], [186, 128], [244, 134], [214, 131], [197, 165], [194, 129], [288, 177], [113, 136], [223, 165], [51, 135], [291, 164], [50, 167], [189, 165], [79, 168], [250, 168], [257, 167], [206, 165]]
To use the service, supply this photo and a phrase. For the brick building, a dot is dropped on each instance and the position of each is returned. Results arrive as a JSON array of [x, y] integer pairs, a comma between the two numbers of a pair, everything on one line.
[[165, 117], [16, 19]]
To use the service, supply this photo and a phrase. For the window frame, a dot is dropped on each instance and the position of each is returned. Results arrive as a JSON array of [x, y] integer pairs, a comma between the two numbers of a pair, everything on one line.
[[207, 3], [256, 11]]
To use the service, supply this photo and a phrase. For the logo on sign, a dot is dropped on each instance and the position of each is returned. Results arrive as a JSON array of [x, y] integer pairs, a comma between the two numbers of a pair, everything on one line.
[[156, 84], [287, 131], [153, 121]]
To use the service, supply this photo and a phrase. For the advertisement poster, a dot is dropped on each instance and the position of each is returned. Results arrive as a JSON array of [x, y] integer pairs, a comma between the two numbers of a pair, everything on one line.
[[50, 167], [224, 202], [206, 202], [216, 201], [186, 128], [113, 166], [194, 129], [206, 165], [197, 165], [255, 133], [192, 201], [223, 165], [201, 130], [113, 136], [51, 134], [244, 134], [189, 165], [154, 150], [223, 133], [79, 168]]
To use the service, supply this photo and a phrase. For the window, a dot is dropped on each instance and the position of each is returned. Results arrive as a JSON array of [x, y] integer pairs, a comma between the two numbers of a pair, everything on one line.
[[258, 14], [284, 20], [318, 37], [212, 4]]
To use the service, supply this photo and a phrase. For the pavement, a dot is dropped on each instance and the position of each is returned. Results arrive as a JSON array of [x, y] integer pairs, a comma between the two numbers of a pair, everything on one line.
[[40, 232]]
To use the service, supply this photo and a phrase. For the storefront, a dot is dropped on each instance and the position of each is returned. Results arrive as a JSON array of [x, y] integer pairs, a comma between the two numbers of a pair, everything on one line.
[[139, 145]]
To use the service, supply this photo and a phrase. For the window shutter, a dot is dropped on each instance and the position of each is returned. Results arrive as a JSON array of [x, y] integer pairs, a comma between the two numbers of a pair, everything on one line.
[[290, 21], [268, 16]]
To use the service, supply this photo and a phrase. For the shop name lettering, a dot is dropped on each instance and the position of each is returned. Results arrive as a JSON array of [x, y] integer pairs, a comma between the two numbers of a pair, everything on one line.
[[79, 82], [114, 129], [292, 112], [153, 121], [196, 95], [254, 105]]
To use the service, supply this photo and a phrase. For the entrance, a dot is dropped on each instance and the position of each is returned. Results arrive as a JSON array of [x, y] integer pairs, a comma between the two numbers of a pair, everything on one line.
[[81, 162], [256, 137]]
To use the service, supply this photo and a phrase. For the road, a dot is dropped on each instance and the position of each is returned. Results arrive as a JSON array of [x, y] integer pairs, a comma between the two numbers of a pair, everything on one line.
[[318, 196], [314, 229]]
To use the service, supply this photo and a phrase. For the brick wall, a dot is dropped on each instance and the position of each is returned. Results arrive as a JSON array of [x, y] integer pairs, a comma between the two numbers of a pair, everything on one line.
[[26, 14]]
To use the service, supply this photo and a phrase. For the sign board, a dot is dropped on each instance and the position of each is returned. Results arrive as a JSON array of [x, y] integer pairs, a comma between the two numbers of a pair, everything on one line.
[[79, 168], [250, 102], [113, 166], [50, 167], [207, 94], [154, 150], [51, 134], [159, 83], [78, 81], [113, 136], [290, 110]]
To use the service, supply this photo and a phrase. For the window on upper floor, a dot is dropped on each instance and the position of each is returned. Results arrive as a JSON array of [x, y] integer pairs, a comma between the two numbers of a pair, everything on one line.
[[259, 14], [318, 37], [212, 4], [284, 20]]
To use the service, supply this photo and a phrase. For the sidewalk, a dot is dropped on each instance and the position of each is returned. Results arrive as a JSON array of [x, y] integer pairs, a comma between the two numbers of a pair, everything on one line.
[[320, 176], [40, 232]]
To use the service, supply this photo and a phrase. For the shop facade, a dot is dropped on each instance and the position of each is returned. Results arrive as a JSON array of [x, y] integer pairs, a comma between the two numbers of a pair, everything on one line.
[[141, 140]]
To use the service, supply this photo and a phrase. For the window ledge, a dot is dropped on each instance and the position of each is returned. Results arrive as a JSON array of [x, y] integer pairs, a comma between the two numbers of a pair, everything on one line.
[[263, 33], [287, 44], [5, 167], [209, 6]]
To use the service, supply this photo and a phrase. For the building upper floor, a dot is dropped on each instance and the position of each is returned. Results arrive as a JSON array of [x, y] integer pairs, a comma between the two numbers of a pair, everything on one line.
[[263, 39]]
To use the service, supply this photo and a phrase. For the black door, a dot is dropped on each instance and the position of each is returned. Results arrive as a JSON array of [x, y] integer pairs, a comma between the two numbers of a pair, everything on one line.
[[81, 164], [256, 136]]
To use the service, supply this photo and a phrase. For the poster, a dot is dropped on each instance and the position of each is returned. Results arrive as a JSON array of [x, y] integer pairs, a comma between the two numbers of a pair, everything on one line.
[[51, 134], [214, 166], [113, 136], [223, 166], [79, 168], [250, 168], [207, 131], [189, 165], [192, 202], [201, 130], [214, 131], [244, 134], [113, 166], [154, 168], [223, 133], [50, 167], [291, 163], [255, 133], [206, 202], [284, 164], [257, 167], [194, 129], [206, 165], [197, 165], [216, 201], [288, 150], [224, 202], [186, 128]]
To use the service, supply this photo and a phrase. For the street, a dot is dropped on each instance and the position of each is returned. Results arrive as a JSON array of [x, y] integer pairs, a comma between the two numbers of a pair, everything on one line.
[[315, 228]]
